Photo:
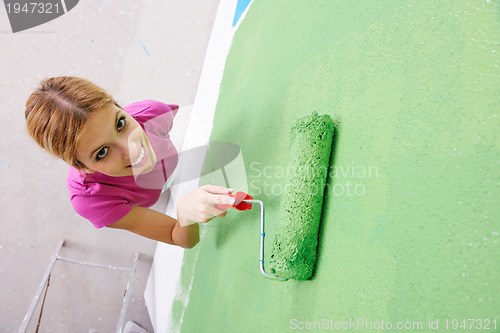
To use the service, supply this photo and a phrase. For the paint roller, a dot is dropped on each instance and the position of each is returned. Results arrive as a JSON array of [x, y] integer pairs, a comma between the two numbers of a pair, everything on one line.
[[294, 251]]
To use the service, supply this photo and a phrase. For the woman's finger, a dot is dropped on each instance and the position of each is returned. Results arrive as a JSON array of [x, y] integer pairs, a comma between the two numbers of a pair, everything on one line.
[[214, 189], [221, 200], [217, 212]]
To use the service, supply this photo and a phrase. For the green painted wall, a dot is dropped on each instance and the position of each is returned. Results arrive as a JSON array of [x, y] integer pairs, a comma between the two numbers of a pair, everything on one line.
[[411, 221]]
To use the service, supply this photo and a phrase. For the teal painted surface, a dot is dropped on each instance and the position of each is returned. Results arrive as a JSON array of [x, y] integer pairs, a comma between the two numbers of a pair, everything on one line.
[[410, 226]]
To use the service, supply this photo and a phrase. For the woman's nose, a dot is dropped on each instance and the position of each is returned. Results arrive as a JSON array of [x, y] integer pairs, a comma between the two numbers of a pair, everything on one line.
[[130, 150], [131, 146], [125, 150], [134, 149]]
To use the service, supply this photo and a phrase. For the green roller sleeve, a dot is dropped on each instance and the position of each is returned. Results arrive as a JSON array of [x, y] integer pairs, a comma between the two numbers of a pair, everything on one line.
[[294, 249]]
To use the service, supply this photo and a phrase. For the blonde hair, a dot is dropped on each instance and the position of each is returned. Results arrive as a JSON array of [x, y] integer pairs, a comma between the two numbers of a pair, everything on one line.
[[57, 111]]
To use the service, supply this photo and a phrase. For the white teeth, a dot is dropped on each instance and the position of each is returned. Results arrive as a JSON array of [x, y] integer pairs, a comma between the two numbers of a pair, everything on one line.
[[139, 159]]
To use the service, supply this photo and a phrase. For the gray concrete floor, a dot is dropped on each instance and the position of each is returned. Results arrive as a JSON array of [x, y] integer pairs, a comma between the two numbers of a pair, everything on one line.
[[134, 49]]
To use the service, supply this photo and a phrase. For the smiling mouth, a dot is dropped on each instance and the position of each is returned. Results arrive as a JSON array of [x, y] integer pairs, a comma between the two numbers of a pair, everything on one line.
[[140, 158]]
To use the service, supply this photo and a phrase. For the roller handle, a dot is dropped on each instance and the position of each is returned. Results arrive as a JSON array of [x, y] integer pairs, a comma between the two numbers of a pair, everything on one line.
[[239, 202]]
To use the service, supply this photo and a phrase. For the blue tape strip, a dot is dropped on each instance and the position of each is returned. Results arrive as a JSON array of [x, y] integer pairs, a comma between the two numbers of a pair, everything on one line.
[[240, 8]]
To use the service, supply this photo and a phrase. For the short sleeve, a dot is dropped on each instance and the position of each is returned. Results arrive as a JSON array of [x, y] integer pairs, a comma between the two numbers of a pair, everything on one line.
[[101, 211], [156, 117]]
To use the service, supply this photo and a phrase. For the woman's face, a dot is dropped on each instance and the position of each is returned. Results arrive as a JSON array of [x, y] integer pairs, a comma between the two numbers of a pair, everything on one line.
[[113, 143]]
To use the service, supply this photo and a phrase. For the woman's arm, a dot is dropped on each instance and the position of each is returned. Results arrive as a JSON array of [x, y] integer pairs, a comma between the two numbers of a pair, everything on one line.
[[157, 226], [197, 206]]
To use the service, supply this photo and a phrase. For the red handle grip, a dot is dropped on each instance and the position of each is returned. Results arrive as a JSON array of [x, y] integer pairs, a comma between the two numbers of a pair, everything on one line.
[[239, 204]]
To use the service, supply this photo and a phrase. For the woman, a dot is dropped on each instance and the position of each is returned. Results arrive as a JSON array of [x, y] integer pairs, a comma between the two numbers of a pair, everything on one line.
[[119, 159]]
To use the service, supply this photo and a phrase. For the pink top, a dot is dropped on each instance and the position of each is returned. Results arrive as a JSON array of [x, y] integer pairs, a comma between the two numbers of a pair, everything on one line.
[[103, 199]]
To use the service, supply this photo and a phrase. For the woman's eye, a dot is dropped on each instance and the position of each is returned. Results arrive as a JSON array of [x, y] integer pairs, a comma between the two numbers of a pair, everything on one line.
[[102, 153], [121, 124]]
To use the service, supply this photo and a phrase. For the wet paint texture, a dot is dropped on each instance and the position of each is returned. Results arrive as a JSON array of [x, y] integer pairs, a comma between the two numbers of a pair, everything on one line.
[[410, 226], [294, 247]]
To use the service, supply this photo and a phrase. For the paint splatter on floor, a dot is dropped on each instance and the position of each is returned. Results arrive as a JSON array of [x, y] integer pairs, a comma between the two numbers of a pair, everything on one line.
[[144, 47]]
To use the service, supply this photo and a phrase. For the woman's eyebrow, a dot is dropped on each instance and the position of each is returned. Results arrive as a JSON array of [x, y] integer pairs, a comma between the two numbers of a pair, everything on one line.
[[98, 148]]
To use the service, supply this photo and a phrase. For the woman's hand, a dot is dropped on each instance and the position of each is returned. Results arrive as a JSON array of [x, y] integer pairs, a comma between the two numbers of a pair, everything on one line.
[[199, 205]]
